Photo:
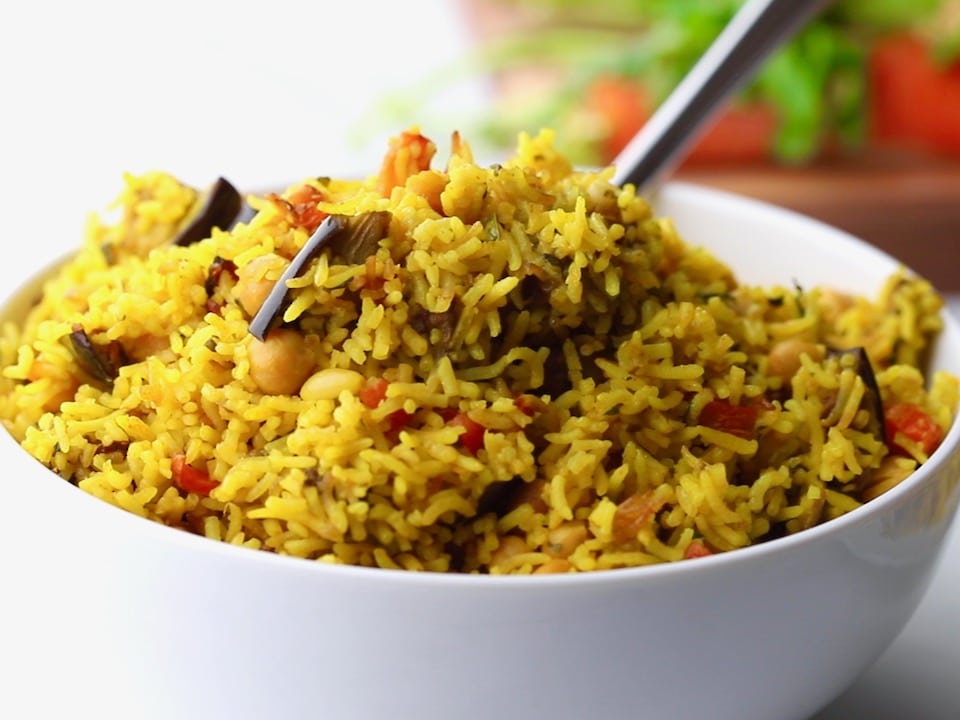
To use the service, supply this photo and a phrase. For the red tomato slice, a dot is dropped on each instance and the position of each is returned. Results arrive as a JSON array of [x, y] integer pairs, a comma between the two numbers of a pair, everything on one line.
[[624, 107], [914, 101], [740, 133]]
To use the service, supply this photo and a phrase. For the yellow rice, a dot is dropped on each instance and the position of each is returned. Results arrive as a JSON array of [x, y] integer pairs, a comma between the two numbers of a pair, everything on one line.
[[557, 312]]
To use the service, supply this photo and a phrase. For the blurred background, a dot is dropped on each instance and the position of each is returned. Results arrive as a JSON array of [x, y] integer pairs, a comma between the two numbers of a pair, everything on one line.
[[856, 122]]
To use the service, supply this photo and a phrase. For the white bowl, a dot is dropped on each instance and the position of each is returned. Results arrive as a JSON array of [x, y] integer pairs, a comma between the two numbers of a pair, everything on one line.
[[149, 622]]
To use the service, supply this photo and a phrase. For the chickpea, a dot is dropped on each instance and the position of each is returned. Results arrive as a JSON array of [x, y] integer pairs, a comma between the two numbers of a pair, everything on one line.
[[510, 546], [281, 363], [327, 384], [252, 285], [784, 358], [554, 565], [564, 539], [833, 304], [147, 345], [603, 199]]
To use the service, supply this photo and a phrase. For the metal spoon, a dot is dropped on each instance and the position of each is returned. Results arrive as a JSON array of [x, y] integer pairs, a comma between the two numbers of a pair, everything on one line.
[[758, 28]]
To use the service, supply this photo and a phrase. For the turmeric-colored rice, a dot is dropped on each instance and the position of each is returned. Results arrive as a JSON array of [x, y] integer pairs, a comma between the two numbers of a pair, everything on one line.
[[529, 372]]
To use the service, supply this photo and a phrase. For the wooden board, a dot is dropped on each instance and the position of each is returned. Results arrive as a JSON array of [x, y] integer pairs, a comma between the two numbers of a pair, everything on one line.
[[904, 203]]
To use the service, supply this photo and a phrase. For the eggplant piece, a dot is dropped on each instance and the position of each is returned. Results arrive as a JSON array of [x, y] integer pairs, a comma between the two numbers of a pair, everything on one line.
[[361, 237], [352, 238], [872, 401], [425, 322], [272, 308], [498, 497], [101, 362], [222, 207], [556, 372]]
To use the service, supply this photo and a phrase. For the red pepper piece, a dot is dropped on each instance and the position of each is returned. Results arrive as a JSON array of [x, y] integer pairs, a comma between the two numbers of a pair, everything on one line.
[[397, 420], [915, 424], [189, 479], [722, 415], [472, 436], [696, 549], [373, 393]]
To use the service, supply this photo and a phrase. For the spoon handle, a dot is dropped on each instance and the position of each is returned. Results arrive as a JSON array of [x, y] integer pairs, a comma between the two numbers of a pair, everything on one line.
[[758, 28]]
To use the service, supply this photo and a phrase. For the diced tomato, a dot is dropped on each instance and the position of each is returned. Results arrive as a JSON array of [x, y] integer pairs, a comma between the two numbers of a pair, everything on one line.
[[373, 393], [633, 513], [188, 478], [473, 432], [397, 420], [529, 405], [697, 549], [302, 207], [722, 415], [408, 154], [914, 100], [913, 423]]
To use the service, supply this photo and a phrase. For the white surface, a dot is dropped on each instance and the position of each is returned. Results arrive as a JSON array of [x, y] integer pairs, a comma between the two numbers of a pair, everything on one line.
[[262, 92]]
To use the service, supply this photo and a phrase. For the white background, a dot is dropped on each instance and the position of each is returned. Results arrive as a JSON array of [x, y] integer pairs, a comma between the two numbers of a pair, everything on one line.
[[263, 93]]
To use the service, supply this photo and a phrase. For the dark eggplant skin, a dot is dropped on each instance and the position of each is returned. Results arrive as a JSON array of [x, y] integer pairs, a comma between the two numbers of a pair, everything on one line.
[[223, 206], [872, 401], [361, 237], [272, 308], [101, 363], [350, 238]]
